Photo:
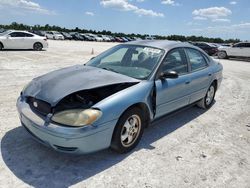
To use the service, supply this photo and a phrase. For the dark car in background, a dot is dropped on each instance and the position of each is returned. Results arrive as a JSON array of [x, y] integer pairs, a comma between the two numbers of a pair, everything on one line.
[[118, 39], [210, 49], [76, 36], [67, 36], [87, 37], [38, 32]]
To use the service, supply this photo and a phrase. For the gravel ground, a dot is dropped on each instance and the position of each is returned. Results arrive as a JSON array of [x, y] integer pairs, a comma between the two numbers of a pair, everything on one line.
[[192, 148]]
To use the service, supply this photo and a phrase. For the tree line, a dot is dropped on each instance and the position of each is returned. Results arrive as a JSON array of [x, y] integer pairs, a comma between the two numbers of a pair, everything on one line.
[[47, 27]]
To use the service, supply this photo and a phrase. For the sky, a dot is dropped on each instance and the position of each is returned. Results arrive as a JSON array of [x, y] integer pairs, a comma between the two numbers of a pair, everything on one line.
[[209, 18]]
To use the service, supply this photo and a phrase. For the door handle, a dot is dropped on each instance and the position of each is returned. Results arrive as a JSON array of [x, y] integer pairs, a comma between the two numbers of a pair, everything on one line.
[[210, 74], [187, 82]]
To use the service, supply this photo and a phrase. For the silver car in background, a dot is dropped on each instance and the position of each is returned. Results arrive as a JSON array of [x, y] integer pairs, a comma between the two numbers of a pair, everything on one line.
[[22, 40], [55, 35]]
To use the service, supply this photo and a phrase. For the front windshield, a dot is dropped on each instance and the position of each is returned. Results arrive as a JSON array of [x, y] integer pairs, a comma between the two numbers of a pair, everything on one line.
[[131, 60]]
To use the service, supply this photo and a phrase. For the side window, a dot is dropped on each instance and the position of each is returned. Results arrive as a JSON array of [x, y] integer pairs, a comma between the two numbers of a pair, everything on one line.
[[175, 61], [17, 34], [196, 59], [28, 35], [239, 45], [247, 45]]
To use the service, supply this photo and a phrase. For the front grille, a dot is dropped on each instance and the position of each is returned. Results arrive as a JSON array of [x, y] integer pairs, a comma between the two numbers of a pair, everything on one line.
[[39, 106]]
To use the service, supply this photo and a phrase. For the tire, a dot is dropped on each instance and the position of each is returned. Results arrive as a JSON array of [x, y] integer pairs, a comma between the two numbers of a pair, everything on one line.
[[208, 100], [37, 46], [222, 55], [1, 46], [128, 130]]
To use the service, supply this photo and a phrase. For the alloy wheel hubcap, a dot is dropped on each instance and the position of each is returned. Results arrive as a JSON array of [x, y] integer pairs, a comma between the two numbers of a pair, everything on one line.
[[37, 46], [210, 95], [222, 54], [130, 130]]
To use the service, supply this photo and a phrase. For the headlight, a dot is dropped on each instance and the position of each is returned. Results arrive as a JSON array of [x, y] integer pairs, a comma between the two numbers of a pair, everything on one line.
[[77, 117]]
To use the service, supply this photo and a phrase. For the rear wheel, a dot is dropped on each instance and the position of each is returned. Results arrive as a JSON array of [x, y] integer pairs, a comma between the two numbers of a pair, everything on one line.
[[208, 100], [222, 55], [38, 46], [128, 131], [1, 46]]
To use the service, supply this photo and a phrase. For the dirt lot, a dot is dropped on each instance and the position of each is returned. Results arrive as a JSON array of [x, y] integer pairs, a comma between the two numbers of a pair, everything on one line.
[[193, 148]]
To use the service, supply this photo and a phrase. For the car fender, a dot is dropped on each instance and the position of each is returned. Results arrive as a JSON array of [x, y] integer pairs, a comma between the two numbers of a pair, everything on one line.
[[113, 106]]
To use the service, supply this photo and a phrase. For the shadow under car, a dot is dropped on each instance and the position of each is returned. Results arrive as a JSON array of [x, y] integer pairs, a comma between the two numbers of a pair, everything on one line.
[[40, 166]]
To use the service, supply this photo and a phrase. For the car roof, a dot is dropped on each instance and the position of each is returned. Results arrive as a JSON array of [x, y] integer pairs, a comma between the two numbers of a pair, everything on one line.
[[163, 44], [11, 31]]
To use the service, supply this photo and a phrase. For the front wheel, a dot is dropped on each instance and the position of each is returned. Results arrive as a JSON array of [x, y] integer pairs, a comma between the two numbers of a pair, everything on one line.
[[37, 46], [208, 100], [128, 130], [222, 55]]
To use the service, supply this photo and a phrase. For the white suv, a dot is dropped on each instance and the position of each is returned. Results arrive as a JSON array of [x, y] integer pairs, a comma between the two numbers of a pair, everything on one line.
[[241, 49]]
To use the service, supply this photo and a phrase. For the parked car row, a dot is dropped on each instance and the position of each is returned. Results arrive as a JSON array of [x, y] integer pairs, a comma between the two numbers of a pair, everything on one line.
[[225, 51], [55, 35], [12, 39]]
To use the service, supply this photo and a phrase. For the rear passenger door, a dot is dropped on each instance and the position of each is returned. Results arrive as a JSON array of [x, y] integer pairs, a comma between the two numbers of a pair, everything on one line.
[[201, 75]]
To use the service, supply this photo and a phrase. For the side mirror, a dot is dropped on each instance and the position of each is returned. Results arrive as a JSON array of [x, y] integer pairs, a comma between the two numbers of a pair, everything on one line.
[[8, 36], [169, 74]]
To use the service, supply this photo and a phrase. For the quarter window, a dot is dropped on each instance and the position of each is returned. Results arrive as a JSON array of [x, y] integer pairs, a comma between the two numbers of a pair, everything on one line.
[[196, 59], [175, 61], [239, 45], [28, 35]]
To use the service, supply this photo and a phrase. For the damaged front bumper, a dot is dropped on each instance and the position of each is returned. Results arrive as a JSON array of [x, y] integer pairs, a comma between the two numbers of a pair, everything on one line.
[[79, 140]]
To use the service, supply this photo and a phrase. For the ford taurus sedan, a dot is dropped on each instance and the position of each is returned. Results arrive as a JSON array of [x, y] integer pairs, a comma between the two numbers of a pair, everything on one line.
[[22, 40], [110, 100]]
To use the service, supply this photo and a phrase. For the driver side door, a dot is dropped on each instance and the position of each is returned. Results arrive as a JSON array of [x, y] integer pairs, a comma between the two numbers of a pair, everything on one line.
[[15, 40], [172, 94]]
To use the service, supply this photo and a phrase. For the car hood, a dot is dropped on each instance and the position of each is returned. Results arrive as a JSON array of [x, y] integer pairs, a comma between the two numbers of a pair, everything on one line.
[[56, 85]]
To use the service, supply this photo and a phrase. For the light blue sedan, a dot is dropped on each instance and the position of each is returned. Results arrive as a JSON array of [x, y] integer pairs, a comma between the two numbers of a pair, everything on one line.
[[110, 100]]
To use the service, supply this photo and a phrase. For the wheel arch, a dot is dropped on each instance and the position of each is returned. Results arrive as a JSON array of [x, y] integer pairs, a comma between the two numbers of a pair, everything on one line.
[[142, 106], [145, 110], [215, 82], [38, 42], [1, 44]]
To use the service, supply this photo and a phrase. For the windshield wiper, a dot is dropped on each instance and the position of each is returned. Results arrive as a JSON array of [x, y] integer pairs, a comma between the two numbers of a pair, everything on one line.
[[109, 69]]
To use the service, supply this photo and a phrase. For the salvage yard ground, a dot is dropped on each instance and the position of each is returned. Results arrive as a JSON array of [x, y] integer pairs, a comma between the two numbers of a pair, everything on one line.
[[193, 148]]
